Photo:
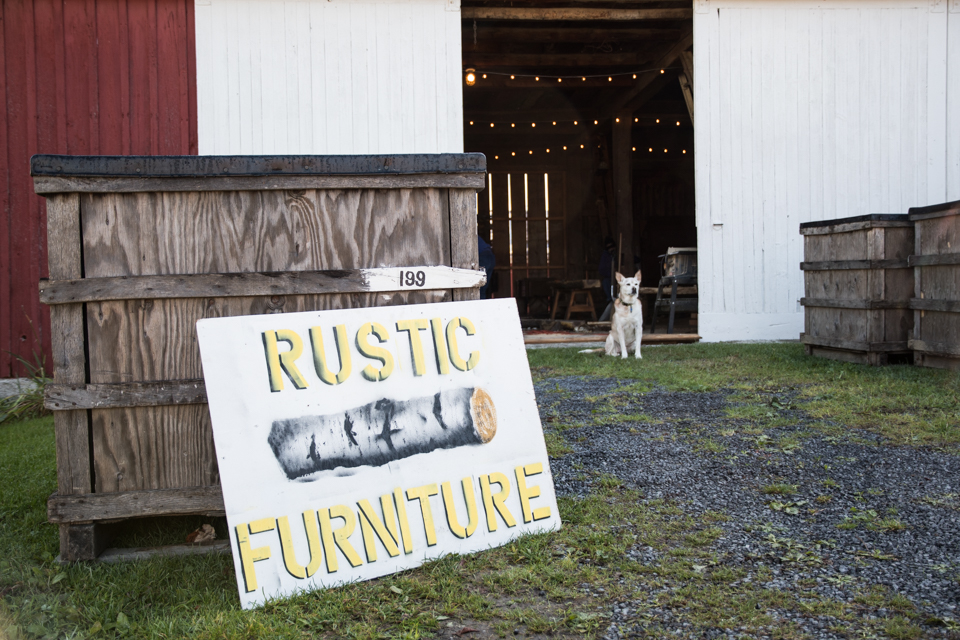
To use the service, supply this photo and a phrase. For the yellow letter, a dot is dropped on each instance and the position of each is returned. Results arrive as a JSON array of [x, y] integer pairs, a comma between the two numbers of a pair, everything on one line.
[[370, 523], [285, 361], [404, 521], [439, 346], [526, 493], [249, 556], [455, 358], [375, 353], [470, 498], [338, 537], [313, 541], [414, 327], [423, 495], [320, 356], [496, 500]]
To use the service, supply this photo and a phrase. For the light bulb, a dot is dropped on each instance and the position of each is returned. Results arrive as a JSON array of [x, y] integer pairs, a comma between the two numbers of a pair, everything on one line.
[[512, 77], [574, 122], [596, 122], [662, 71], [634, 76], [581, 146], [471, 77], [548, 150], [658, 120], [484, 76], [664, 150], [554, 123], [634, 148], [684, 150], [491, 124], [471, 123], [559, 79], [533, 124], [650, 149], [496, 157], [512, 124], [513, 153], [618, 119], [564, 147], [678, 123], [584, 79], [538, 80], [636, 119], [609, 79]]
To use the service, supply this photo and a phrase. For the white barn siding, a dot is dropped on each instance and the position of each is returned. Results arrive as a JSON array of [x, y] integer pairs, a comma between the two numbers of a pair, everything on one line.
[[329, 76], [809, 111]]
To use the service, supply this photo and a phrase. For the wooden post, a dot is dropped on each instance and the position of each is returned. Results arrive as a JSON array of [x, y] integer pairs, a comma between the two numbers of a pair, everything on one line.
[[623, 185], [464, 252], [77, 541]]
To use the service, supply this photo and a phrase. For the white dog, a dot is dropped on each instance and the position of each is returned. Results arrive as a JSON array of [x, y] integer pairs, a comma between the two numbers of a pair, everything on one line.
[[626, 321]]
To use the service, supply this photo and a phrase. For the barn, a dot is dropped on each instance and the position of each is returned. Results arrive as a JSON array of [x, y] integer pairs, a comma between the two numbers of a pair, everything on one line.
[[717, 124]]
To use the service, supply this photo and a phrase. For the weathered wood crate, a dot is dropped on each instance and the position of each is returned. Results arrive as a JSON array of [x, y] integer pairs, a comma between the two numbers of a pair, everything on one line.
[[936, 305], [140, 248], [857, 288]]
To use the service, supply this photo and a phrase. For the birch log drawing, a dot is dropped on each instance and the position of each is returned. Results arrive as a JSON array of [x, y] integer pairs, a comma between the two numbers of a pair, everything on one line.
[[383, 431]]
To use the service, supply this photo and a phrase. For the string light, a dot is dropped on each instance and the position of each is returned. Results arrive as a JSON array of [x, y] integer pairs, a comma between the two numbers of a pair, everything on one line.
[[684, 150], [496, 157], [531, 151], [533, 124], [491, 124], [559, 79], [513, 124], [609, 79], [650, 149], [595, 122], [618, 119], [634, 148], [513, 153], [581, 146], [538, 80], [664, 150], [564, 147], [574, 122], [584, 79], [634, 76], [471, 123], [471, 77], [485, 76], [636, 119], [548, 150], [554, 123], [512, 77], [662, 71], [658, 120], [678, 123]]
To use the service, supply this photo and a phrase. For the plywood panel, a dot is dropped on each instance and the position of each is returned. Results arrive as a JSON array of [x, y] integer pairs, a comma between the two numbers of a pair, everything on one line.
[[319, 77], [181, 233], [811, 111]]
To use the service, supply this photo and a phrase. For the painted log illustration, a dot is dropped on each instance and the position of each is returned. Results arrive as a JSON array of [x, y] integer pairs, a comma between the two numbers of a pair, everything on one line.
[[383, 431]]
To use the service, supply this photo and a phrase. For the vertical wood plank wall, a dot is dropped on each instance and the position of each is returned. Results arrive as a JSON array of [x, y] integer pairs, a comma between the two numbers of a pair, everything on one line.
[[812, 111], [329, 77], [80, 77]]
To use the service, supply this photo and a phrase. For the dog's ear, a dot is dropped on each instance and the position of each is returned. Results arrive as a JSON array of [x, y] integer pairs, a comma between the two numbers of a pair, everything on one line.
[[619, 277], [637, 275]]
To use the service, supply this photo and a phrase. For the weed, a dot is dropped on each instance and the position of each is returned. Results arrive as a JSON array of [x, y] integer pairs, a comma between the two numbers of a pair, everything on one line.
[[779, 489]]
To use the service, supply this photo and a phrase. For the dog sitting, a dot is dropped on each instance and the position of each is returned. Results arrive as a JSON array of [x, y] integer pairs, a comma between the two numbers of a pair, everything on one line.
[[626, 321]]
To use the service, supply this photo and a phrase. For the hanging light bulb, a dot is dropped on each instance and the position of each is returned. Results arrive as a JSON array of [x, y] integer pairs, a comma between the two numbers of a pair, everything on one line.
[[559, 79], [533, 124], [678, 123], [564, 147], [658, 120], [531, 151], [650, 149], [636, 119], [574, 122], [596, 122], [496, 157], [662, 71], [548, 150], [634, 76], [471, 123], [684, 150], [581, 146], [554, 123], [664, 150], [618, 119], [584, 79], [484, 76], [513, 124], [538, 80], [471, 77], [634, 148], [513, 153], [491, 124], [609, 79], [512, 77]]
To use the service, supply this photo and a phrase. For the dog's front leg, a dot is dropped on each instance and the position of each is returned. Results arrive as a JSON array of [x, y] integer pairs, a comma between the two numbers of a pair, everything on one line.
[[623, 341], [636, 354]]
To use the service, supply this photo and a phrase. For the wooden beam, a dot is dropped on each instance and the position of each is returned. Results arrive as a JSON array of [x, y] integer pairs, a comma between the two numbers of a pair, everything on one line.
[[60, 397], [686, 59], [629, 100], [511, 13], [229, 285], [560, 34], [623, 186], [487, 60], [687, 93], [90, 507]]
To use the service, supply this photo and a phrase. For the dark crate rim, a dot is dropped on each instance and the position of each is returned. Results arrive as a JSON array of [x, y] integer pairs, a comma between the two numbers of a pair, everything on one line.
[[872, 217], [945, 207], [45, 165]]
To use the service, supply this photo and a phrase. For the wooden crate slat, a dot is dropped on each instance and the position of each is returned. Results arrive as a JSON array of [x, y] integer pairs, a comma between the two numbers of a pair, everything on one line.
[[839, 265], [840, 303], [935, 348], [952, 306], [853, 345], [934, 260], [223, 285], [50, 185], [61, 397], [91, 507]]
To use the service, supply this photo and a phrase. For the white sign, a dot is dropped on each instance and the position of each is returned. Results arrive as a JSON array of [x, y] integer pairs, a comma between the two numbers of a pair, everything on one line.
[[357, 443]]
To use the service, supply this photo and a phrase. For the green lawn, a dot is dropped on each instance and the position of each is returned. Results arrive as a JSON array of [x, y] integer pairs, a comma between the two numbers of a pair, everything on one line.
[[532, 586]]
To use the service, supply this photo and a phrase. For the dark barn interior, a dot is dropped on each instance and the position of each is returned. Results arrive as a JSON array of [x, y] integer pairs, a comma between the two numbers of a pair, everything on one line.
[[585, 113]]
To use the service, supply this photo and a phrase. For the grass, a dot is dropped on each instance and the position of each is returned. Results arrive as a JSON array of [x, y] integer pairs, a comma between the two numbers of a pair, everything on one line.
[[904, 404], [562, 584]]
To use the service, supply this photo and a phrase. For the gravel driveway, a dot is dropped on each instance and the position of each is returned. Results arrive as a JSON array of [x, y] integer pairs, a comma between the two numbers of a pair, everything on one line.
[[823, 517]]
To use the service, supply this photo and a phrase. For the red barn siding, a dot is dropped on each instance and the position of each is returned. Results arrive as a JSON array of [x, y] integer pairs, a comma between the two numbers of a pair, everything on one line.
[[109, 77]]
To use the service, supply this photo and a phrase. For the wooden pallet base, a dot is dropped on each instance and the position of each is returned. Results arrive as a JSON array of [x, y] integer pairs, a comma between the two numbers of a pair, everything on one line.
[[874, 359]]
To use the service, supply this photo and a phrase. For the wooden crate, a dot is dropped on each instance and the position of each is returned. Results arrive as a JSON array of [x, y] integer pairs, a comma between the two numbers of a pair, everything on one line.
[[936, 263], [857, 288], [140, 248]]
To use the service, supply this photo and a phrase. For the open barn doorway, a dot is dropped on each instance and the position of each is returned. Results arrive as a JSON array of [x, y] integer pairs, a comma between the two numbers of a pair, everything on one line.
[[585, 113]]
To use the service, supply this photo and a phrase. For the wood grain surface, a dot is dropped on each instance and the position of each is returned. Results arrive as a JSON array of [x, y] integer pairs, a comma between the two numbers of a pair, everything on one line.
[[147, 234], [90, 507]]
